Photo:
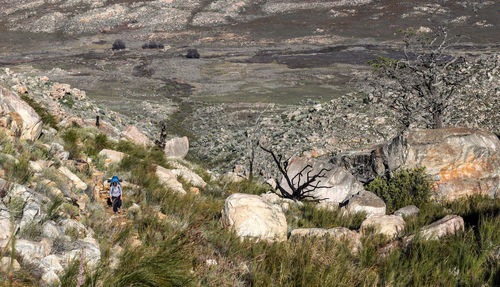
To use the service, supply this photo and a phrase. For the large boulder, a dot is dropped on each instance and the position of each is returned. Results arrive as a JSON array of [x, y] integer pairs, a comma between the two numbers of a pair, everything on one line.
[[365, 201], [388, 225], [18, 118], [337, 183], [460, 161], [133, 134], [177, 148], [336, 233], [250, 216]]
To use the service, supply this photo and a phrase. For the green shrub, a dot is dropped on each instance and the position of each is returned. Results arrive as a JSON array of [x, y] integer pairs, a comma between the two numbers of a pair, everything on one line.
[[72, 143], [18, 171], [6, 143], [405, 187]]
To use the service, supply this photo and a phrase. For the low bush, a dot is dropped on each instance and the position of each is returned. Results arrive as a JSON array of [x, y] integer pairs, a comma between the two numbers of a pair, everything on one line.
[[118, 45], [405, 187]]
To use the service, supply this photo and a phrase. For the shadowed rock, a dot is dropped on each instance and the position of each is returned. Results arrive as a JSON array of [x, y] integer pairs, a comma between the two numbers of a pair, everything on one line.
[[118, 45], [367, 202]]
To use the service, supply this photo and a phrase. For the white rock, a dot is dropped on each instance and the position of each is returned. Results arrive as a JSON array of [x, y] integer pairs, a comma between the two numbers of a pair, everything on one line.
[[5, 224], [252, 217], [111, 156], [30, 211], [50, 278], [388, 225], [177, 148], [50, 230], [75, 180], [190, 176], [51, 263], [169, 179]]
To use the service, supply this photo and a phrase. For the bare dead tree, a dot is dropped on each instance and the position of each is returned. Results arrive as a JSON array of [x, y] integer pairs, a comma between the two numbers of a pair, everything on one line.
[[429, 77], [163, 136], [302, 184]]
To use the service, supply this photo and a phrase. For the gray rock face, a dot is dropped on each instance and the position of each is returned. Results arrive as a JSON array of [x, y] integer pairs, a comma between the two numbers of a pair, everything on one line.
[[407, 211], [460, 161], [448, 225], [177, 148], [30, 212], [50, 230], [18, 118], [339, 183], [367, 202], [250, 216]]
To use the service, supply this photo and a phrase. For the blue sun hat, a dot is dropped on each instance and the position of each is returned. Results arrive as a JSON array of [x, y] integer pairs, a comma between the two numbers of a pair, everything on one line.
[[115, 179]]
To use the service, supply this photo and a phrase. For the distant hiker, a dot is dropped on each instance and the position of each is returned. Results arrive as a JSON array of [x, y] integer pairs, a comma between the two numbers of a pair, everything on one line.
[[115, 192]]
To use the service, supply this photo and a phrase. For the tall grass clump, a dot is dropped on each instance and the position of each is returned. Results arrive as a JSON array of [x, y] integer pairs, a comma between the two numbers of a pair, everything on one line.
[[18, 171], [405, 187]]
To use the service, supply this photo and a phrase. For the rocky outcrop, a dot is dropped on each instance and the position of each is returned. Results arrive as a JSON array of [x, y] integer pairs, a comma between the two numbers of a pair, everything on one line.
[[74, 179], [177, 148], [133, 134], [367, 202], [18, 118], [460, 161], [338, 183], [252, 217], [388, 225], [337, 233]]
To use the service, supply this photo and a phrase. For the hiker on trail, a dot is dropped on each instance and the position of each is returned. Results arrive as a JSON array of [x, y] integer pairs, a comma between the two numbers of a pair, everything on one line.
[[115, 192]]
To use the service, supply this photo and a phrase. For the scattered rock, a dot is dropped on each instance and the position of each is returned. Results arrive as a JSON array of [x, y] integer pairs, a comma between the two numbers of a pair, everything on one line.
[[50, 230], [30, 212], [388, 225], [190, 176], [50, 278], [448, 225], [367, 202], [75, 180], [252, 217], [177, 148], [409, 210], [169, 179]]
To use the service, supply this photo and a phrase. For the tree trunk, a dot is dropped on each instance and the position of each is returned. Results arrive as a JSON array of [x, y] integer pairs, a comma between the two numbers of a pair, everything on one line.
[[437, 120]]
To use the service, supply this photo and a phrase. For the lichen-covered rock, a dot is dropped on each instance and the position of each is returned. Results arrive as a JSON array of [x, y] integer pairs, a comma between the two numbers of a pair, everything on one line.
[[448, 225], [18, 118], [336, 186], [365, 201], [409, 210], [388, 225], [460, 161], [250, 216]]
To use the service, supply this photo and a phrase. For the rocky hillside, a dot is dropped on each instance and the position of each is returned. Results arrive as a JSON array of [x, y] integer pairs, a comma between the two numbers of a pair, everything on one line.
[[184, 225]]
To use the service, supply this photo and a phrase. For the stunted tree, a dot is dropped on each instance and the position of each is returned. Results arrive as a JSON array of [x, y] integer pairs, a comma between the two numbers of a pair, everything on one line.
[[301, 185], [428, 78]]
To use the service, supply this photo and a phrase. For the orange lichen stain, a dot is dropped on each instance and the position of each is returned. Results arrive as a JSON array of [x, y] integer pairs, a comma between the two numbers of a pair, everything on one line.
[[470, 168]]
